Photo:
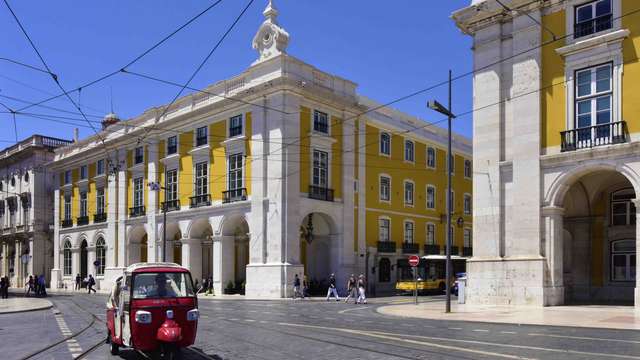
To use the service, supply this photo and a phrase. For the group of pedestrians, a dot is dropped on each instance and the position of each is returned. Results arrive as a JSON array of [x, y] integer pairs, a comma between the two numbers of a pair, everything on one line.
[[89, 281], [4, 287], [37, 284], [356, 288]]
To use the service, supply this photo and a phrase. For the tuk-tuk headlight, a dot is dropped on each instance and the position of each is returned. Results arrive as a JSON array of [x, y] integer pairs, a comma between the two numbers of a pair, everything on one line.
[[143, 317], [193, 315]]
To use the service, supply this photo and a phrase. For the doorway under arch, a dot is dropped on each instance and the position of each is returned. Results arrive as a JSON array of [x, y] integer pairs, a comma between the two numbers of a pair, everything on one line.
[[318, 251], [234, 254], [84, 259]]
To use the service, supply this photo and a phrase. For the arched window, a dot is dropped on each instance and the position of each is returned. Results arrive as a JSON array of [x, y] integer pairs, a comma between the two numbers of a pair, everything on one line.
[[101, 256], [384, 272], [623, 260], [623, 211], [67, 258]]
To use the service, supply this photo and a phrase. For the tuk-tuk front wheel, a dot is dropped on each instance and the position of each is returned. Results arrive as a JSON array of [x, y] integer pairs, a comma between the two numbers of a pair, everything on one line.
[[169, 352], [115, 349]]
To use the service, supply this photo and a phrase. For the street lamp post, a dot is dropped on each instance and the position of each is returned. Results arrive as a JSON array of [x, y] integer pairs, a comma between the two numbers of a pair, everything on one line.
[[436, 106], [157, 187]]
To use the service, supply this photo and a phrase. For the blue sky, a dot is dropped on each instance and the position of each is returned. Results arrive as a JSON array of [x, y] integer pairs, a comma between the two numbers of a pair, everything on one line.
[[389, 48]]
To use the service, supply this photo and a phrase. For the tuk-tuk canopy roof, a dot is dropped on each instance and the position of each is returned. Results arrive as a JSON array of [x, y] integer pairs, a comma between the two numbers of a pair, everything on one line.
[[155, 267]]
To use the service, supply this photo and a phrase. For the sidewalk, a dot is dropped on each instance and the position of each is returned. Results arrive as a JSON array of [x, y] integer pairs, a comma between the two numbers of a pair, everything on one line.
[[592, 316], [20, 304]]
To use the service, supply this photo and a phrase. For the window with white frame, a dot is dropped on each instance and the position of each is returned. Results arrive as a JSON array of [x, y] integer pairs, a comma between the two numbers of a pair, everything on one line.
[[431, 197], [138, 192], [431, 234], [408, 193], [431, 157], [409, 151], [623, 260], [202, 179], [235, 172], [100, 167], [385, 188], [467, 169], [385, 143], [235, 126], [320, 122], [467, 238], [101, 256], [320, 176], [67, 258], [467, 204], [384, 229], [172, 145], [67, 207], [593, 101], [623, 210], [592, 17], [202, 136], [171, 185], [67, 177], [408, 232], [83, 172], [100, 201], [83, 203], [138, 155]]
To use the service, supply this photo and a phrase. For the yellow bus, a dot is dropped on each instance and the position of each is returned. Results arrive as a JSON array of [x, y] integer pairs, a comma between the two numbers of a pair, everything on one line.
[[431, 273]]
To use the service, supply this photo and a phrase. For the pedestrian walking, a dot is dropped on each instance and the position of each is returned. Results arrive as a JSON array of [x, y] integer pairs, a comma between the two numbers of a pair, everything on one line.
[[42, 286], [296, 287], [362, 285], [305, 287], [332, 291], [351, 289], [2, 287], [30, 286], [7, 285], [78, 282], [210, 289], [90, 282]]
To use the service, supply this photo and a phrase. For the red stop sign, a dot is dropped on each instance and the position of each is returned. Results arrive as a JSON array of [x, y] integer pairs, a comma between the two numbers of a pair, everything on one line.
[[414, 260]]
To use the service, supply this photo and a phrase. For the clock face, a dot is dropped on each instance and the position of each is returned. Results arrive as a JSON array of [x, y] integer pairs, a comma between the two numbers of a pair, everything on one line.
[[267, 38]]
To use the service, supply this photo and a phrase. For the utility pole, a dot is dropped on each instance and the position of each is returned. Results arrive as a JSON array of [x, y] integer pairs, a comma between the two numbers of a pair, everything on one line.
[[436, 106], [157, 187]]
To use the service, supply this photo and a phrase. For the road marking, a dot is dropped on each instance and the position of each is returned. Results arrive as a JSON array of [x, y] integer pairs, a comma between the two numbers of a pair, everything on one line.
[[508, 332], [353, 309], [454, 328], [249, 320], [585, 338], [480, 330], [430, 344], [72, 345]]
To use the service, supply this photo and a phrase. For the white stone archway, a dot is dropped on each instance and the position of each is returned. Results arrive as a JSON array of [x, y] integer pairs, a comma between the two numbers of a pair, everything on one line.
[[319, 250], [230, 249], [137, 244]]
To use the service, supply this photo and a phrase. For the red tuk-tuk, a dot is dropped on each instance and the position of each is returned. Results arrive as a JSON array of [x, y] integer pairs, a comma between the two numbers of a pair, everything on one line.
[[153, 308]]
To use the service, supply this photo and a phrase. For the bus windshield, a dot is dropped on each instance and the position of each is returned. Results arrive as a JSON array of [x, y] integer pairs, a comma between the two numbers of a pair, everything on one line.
[[162, 285]]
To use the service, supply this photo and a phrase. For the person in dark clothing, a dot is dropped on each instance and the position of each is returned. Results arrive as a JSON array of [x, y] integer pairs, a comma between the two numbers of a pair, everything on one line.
[[332, 291], [3, 285], [7, 285], [90, 284], [30, 286], [305, 287], [78, 282], [210, 288], [296, 287], [42, 286]]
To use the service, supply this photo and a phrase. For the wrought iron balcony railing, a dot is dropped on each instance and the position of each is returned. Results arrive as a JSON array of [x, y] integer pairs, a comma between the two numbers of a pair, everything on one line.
[[431, 249], [137, 211], [320, 193], [386, 246], [200, 200], [234, 195], [66, 223], [601, 23], [171, 205], [454, 250], [410, 248], [467, 251], [82, 220], [592, 136], [100, 217]]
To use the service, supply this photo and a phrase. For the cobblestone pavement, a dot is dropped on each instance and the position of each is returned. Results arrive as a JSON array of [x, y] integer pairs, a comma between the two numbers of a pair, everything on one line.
[[239, 329]]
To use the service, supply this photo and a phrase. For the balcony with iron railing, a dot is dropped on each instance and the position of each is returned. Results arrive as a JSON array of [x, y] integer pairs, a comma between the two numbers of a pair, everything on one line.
[[100, 217], [585, 28], [467, 251], [66, 223], [431, 249], [386, 246], [234, 195], [200, 200], [410, 248], [82, 220], [593, 136], [171, 205], [137, 211], [455, 250], [320, 193]]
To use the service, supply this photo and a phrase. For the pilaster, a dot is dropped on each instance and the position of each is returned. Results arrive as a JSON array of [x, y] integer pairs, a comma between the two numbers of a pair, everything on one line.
[[553, 252], [153, 205], [121, 238], [636, 302]]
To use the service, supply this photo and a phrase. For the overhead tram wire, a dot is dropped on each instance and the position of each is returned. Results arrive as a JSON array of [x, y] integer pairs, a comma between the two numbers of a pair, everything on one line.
[[204, 61], [25, 65], [136, 59], [48, 107]]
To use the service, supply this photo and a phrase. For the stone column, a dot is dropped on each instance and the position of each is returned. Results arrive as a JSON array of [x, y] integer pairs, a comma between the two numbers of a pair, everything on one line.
[[56, 275], [223, 262], [17, 266], [553, 252], [75, 263], [636, 202], [122, 210], [192, 257], [91, 257], [152, 206]]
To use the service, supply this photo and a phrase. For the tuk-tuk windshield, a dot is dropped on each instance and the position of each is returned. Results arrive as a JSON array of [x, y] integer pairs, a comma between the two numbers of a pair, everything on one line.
[[162, 285]]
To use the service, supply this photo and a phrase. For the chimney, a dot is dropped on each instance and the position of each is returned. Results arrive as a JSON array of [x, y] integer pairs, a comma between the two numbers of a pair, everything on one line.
[[75, 135]]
